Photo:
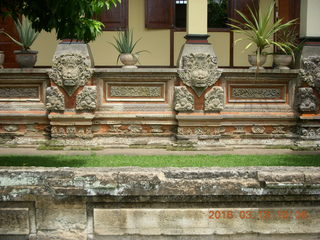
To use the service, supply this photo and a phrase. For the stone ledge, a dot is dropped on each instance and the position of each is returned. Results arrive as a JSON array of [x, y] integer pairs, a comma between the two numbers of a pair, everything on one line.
[[18, 183]]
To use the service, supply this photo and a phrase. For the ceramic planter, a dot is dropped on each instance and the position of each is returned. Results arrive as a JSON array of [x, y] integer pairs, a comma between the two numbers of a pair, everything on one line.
[[129, 60], [253, 61], [26, 59], [1, 59], [282, 61]]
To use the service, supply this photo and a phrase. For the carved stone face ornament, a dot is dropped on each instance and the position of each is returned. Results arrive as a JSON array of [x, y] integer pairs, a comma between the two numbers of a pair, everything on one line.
[[70, 71], [310, 72], [199, 71]]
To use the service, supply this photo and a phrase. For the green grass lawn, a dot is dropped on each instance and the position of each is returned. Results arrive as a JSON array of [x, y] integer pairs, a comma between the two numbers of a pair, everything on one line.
[[161, 161]]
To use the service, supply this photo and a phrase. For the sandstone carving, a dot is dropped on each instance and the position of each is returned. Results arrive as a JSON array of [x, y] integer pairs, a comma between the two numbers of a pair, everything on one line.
[[310, 71], [135, 91], [310, 133], [278, 130], [306, 100], [135, 128], [70, 71], [54, 99], [19, 92], [256, 93], [214, 99], [184, 100], [11, 128], [258, 129], [199, 71], [86, 100]]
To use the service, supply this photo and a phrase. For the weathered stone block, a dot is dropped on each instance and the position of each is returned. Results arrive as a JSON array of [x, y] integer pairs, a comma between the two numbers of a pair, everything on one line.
[[203, 221], [14, 221]]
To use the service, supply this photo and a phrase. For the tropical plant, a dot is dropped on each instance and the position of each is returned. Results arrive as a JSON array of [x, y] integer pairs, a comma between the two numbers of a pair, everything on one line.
[[27, 34], [260, 30], [290, 37], [73, 19], [124, 43]]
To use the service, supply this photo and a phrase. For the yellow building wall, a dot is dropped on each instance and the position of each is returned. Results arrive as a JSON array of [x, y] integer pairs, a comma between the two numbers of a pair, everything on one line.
[[156, 42]]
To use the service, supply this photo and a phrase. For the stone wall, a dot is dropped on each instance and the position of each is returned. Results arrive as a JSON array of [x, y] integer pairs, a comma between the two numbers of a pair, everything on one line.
[[168, 203], [116, 107]]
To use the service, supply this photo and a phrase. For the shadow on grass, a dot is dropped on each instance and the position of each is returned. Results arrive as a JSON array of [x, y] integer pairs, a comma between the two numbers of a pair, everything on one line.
[[41, 161], [161, 161]]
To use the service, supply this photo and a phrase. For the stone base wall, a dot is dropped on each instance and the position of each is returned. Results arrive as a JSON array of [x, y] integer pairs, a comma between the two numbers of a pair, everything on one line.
[[121, 107], [169, 203]]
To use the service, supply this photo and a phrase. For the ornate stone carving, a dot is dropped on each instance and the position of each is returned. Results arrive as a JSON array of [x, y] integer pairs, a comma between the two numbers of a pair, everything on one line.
[[185, 131], [71, 132], [214, 99], [239, 130], [310, 71], [11, 128], [86, 100], [255, 93], [199, 71], [135, 91], [278, 130], [258, 129], [306, 100], [70, 71], [54, 99], [156, 129], [135, 129], [184, 100], [19, 92], [310, 133]]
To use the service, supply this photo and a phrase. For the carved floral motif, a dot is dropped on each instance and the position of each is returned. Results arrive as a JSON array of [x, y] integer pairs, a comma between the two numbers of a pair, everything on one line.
[[214, 99], [258, 129], [71, 132], [86, 100], [70, 71], [306, 100], [54, 99], [310, 133], [184, 100], [310, 71], [11, 128], [278, 130], [199, 71]]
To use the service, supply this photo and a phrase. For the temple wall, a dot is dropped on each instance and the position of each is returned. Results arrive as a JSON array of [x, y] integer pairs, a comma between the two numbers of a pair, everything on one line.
[[168, 203]]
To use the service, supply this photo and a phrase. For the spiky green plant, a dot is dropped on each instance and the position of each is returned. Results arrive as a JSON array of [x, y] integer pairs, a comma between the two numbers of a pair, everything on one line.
[[260, 30], [124, 43], [27, 34]]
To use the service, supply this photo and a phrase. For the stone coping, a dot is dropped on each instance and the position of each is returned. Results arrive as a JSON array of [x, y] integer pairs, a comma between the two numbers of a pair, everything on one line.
[[151, 70], [23, 182]]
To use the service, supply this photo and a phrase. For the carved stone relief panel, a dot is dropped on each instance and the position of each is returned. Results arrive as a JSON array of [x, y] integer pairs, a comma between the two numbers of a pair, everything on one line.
[[184, 100], [258, 129], [70, 71], [214, 99], [11, 128], [87, 99], [199, 71], [19, 92], [310, 71], [54, 99], [306, 100], [310, 132], [71, 132]]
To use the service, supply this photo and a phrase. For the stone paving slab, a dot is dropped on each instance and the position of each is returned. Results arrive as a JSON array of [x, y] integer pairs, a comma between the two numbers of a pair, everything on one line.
[[140, 151]]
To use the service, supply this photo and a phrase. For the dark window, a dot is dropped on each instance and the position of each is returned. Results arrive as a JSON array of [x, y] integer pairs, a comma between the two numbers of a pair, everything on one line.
[[158, 12], [116, 18]]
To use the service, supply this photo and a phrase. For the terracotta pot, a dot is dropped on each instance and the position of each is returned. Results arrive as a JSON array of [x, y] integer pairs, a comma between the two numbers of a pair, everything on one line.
[[282, 61], [1, 59], [253, 61], [129, 60], [26, 59]]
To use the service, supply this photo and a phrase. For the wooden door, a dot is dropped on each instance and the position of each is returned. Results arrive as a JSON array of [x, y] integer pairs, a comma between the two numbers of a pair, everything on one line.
[[6, 43]]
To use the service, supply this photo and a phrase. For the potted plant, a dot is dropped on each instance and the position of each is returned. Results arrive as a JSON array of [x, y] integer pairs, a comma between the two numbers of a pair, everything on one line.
[[125, 45], [26, 58], [282, 58], [260, 30]]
